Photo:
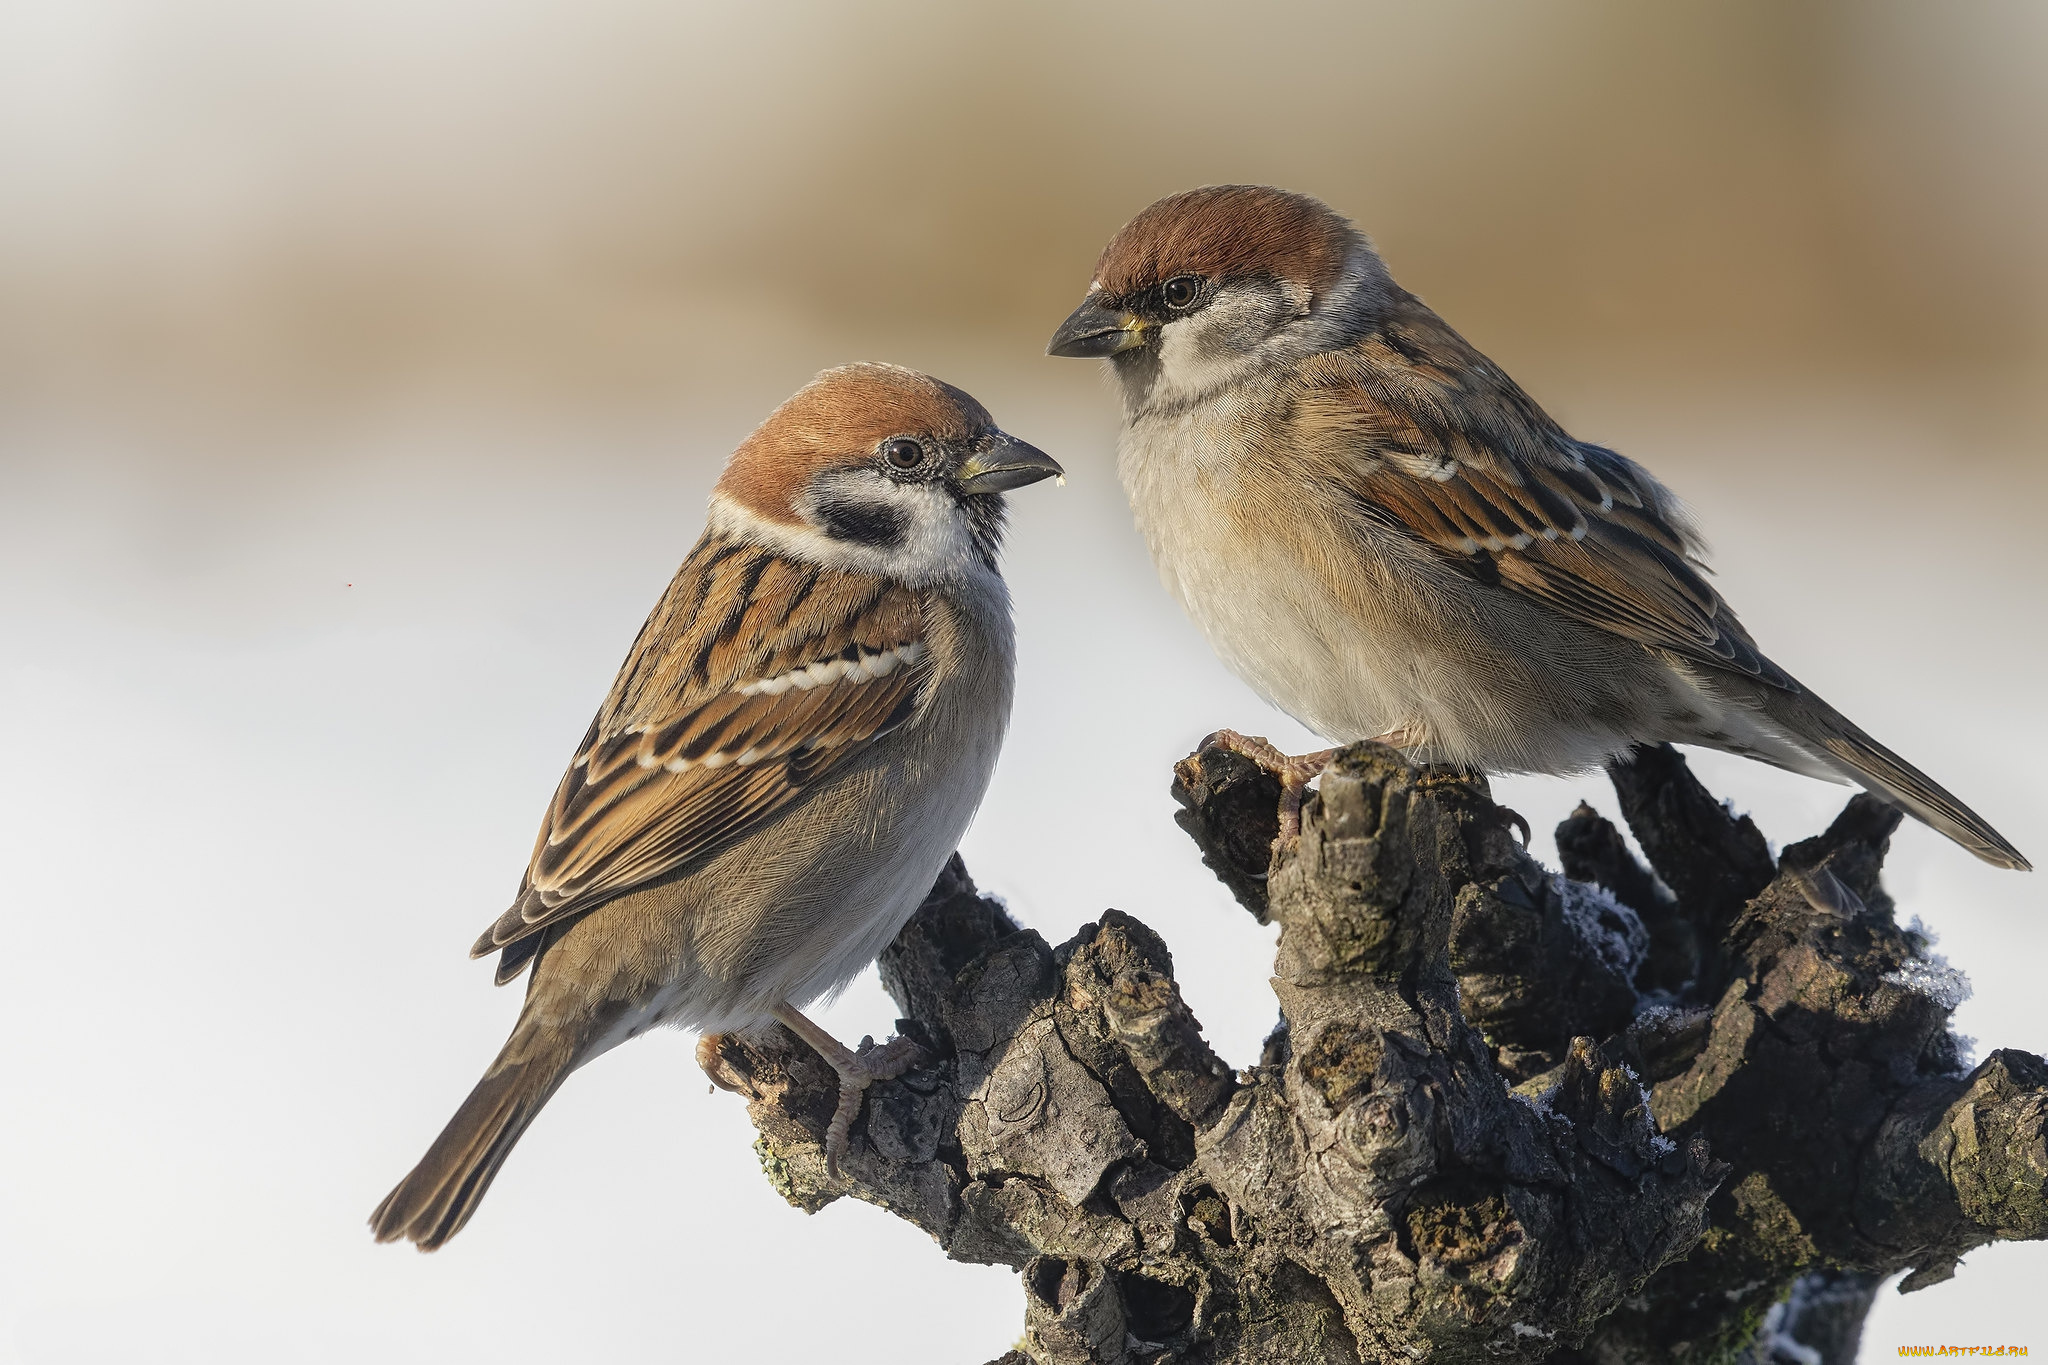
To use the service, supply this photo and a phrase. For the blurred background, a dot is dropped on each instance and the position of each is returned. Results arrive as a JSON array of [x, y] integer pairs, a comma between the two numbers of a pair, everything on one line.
[[363, 371]]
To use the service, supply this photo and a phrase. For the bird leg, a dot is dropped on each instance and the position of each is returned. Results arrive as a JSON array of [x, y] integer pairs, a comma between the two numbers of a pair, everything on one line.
[[1294, 771], [1404, 737], [856, 1069]]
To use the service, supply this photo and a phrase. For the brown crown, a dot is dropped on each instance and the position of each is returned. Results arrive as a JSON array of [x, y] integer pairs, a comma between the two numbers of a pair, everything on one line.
[[1221, 231], [837, 419]]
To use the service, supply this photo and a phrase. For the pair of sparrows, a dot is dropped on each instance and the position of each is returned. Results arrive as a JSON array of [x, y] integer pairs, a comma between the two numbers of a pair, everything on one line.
[[1376, 528]]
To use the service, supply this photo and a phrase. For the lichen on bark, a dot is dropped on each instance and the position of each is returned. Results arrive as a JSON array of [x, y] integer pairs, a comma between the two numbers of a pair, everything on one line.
[[1617, 1113]]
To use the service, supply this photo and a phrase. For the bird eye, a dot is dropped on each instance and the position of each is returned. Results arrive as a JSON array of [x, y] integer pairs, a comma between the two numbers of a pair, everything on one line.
[[1182, 290], [903, 453]]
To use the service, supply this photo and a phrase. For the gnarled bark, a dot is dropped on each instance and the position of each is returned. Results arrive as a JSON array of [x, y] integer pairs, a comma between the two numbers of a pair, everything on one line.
[[1612, 1114]]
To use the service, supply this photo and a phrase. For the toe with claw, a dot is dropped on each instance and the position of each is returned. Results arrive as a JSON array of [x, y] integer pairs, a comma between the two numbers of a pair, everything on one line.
[[712, 1062], [857, 1070], [1294, 771], [869, 1064]]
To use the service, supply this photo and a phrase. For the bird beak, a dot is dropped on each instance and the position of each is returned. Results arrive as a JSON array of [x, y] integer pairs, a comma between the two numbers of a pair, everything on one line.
[[1092, 330], [1003, 462]]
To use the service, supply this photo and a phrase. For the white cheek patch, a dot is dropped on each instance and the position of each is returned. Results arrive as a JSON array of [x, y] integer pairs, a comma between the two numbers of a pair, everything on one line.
[[935, 541], [933, 538], [1219, 344], [1249, 325]]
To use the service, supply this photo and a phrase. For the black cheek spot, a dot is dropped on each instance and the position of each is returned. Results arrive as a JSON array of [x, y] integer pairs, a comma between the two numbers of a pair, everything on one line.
[[863, 523]]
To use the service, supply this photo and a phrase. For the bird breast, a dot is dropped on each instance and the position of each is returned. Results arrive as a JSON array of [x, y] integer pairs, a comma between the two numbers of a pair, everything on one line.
[[1355, 630], [1265, 572]]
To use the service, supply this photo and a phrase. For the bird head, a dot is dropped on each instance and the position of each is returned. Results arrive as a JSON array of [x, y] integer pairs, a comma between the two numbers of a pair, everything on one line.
[[1206, 283], [882, 469]]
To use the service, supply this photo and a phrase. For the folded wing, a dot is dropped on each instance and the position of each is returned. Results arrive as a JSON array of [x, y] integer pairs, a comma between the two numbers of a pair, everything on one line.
[[755, 676], [1449, 449]]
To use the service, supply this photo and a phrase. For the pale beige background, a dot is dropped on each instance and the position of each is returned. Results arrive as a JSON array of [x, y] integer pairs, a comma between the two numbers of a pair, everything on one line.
[[363, 368]]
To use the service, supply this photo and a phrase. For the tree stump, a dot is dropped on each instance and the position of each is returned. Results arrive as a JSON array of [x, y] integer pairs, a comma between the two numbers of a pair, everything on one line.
[[1690, 1112]]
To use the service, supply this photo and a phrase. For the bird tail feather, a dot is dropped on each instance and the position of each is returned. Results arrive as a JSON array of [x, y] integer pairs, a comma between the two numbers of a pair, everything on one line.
[[439, 1194], [1838, 742]]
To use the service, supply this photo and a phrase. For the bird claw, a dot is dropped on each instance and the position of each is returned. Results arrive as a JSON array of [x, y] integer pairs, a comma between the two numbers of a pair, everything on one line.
[[1294, 771], [1515, 818], [1257, 748], [857, 1071], [712, 1062]]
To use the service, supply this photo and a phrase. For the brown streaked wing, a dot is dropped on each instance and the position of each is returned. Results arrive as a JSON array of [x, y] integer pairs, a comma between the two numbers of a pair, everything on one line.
[[680, 761], [1443, 445]]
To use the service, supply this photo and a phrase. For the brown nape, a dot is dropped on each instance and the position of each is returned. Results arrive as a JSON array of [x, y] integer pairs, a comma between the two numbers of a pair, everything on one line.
[[1224, 230], [840, 418]]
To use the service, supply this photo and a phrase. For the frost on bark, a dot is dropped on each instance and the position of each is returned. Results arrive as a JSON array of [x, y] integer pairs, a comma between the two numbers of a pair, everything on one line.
[[1690, 1112]]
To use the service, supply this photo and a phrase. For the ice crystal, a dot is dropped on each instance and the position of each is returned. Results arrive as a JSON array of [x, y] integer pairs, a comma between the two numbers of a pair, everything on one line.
[[1609, 928]]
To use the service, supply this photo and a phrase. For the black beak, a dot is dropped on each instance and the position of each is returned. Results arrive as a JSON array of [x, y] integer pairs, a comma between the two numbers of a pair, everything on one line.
[[1091, 331], [1003, 462]]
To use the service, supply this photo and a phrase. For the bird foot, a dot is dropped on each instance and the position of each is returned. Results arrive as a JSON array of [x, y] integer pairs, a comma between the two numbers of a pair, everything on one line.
[[712, 1063], [870, 1063], [857, 1070], [1295, 772]]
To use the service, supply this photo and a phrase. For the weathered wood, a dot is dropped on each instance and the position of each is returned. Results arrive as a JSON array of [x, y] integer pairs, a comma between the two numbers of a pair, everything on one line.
[[1508, 1115]]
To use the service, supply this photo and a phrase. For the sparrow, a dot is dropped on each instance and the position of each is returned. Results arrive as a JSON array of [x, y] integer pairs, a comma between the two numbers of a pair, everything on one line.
[[789, 754], [1388, 539]]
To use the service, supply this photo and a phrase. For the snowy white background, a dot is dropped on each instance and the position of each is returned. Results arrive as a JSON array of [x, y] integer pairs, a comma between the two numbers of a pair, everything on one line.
[[363, 370]]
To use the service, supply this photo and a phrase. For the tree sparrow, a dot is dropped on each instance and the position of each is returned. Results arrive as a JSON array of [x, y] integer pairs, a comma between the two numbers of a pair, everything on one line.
[[789, 754], [1387, 538]]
